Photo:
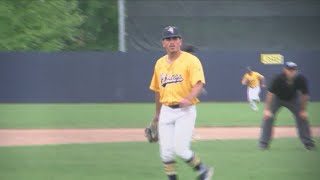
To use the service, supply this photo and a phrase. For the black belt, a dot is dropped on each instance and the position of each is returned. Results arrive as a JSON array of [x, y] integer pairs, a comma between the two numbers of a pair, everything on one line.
[[175, 106]]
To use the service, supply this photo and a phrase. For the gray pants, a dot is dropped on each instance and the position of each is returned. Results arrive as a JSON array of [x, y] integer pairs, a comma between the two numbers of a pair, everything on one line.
[[295, 107]]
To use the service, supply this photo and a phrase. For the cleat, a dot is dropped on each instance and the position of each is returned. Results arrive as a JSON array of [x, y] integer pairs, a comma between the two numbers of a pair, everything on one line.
[[206, 174]]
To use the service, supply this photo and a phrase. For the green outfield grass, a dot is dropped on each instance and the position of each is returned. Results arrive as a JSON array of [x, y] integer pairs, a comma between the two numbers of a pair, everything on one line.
[[233, 160], [132, 115]]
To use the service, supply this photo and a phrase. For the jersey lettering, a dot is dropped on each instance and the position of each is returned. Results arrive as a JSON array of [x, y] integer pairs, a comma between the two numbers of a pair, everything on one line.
[[168, 79]]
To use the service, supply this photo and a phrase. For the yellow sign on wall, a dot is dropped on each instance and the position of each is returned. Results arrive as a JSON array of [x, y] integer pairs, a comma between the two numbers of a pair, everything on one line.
[[272, 59]]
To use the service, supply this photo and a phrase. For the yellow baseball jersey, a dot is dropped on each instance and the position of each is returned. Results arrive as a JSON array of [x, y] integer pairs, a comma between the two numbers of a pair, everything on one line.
[[253, 79], [174, 81]]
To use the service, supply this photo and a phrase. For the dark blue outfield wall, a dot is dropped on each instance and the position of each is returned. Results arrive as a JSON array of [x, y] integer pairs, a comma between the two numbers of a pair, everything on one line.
[[72, 77]]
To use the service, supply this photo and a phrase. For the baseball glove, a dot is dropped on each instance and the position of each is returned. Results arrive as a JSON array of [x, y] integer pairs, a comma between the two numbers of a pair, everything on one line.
[[151, 132]]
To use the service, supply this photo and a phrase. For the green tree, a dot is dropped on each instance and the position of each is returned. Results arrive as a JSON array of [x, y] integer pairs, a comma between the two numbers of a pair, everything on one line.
[[99, 32], [48, 25]]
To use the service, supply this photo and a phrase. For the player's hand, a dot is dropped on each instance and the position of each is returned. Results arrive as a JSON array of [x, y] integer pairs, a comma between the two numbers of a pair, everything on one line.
[[267, 114], [204, 92], [185, 103], [263, 86], [156, 118], [245, 82], [303, 114]]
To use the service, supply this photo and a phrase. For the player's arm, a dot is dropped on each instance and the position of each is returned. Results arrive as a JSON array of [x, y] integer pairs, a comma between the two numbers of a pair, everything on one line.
[[158, 106], [244, 81], [154, 86], [262, 82], [197, 80], [195, 92], [151, 131]]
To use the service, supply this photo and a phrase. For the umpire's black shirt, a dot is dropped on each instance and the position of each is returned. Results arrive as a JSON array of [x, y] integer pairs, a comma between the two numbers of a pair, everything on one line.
[[286, 90]]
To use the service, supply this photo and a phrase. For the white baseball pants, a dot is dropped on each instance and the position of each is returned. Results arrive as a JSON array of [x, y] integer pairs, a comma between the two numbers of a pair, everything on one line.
[[253, 96], [253, 93], [175, 132]]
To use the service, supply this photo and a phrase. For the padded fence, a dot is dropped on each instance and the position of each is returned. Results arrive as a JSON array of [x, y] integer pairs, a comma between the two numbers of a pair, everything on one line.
[[68, 77]]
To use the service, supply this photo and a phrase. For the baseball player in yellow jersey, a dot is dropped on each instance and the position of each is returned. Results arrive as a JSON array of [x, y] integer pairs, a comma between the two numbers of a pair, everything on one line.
[[177, 81], [255, 82]]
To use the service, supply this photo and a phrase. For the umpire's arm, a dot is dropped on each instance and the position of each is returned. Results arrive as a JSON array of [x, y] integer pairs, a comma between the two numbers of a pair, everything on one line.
[[269, 96], [267, 110], [268, 100], [304, 89]]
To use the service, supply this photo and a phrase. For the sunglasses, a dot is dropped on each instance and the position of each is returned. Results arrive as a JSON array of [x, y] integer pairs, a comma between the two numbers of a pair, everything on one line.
[[291, 68]]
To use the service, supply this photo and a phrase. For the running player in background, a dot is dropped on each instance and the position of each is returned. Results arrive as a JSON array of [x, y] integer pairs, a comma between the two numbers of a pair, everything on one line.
[[255, 82]]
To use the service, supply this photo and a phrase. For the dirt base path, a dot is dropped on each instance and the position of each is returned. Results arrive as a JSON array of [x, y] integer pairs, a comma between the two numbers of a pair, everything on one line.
[[22, 137]]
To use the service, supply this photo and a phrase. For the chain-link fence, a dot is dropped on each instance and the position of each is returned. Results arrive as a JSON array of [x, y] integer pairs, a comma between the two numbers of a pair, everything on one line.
[[225, 24]]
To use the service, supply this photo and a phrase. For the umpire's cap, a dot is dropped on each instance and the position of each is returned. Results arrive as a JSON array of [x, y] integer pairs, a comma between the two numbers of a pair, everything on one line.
[[169, 32], [291, 65]]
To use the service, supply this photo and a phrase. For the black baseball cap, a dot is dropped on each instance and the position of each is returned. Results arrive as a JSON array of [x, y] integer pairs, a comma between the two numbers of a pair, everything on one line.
[[170, 31], [189, 48], [291, 65]]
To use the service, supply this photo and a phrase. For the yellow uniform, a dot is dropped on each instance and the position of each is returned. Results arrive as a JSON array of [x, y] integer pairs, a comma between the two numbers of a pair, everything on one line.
[[253, 79], [174, 81]]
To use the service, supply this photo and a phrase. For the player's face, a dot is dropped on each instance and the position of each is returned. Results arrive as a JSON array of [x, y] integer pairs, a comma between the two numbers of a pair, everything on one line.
[[172, 44], [290, 72]]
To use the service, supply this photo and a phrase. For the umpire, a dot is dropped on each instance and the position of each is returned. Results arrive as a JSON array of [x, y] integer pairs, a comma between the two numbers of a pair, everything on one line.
[[288, 89]]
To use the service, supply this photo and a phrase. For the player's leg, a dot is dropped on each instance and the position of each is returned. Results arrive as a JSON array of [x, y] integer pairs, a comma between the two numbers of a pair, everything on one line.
[[302, 124], [183, 131], [266, 126], [258, 90], [183, 135], [166, 141], [256, 97], [251, 98]]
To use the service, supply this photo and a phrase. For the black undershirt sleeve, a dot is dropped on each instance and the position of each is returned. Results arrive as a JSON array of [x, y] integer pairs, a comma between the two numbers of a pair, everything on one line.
[[303, 85], [272, 86]]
